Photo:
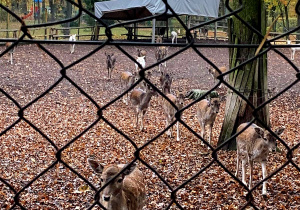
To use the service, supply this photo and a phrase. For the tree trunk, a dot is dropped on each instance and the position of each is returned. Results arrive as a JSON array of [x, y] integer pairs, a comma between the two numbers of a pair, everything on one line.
[[44, 11], [39, 11], [298, 22], [250, 79], [68, 15], [53, 10], [24, 7]]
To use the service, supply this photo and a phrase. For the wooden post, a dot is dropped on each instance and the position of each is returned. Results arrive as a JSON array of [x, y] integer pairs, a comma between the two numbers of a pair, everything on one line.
[[153, 30], [45, 36], [215, 33]]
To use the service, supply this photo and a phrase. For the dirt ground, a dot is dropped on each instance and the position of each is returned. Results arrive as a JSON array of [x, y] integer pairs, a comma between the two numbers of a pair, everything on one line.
[[65, 112]]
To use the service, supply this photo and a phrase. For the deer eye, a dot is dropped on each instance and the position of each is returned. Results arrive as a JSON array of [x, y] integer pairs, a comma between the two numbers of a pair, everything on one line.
[[120, 180], [101, 180]]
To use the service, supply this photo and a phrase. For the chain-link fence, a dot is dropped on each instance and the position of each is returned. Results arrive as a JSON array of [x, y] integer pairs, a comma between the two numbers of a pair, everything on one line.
[[109, 113]]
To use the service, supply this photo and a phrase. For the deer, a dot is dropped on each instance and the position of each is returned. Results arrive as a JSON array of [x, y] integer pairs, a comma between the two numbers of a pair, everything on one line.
[[127, 79], [161, 52], [165, 82], [141, 60], [170, 111], [110, 63], [207, 110], [125, 192], [174, 35], [142, 53], [140, 100], [215, 73], [293, 49], [254, 144], [11, 51], [72, 39]]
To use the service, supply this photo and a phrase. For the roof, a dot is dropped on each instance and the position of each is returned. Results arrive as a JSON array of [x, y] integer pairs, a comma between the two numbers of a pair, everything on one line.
[[134, 9]]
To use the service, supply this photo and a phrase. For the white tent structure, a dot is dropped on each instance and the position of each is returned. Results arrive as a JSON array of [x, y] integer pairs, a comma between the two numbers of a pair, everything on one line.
[[134, 9]]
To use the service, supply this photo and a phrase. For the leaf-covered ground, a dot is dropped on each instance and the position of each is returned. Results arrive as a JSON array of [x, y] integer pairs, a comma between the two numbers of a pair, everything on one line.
[[64, 113]]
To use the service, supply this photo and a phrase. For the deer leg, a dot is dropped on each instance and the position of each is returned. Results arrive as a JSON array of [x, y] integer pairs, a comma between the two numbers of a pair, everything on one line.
[[178, 131], [202, 131], [136, 117], [251, 173], [237, 164], [264, 173], [210, 133], [169, 132], [143, 112], [244, 171], [11, 58]]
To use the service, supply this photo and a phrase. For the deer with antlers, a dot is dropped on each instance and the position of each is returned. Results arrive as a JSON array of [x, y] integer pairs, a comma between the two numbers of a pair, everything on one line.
[[125, 192], [254, 144]]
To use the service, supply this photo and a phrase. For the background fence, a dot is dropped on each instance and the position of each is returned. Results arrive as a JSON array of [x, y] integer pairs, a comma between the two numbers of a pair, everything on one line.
[[59, 150]]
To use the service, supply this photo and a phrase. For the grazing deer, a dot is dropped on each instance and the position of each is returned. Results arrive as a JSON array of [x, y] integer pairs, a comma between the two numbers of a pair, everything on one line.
[[170, 111], [207, 111], [140, 99], [142, 53], [215, 73], [127, 79], [140, 60], [165, 82], [254, 144], [126, 192], [110, 63], [293, 49], [11, 51], [72, 39]]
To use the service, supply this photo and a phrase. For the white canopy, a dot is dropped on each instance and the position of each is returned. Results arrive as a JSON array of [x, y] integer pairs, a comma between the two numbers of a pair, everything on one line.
[[133, 9]]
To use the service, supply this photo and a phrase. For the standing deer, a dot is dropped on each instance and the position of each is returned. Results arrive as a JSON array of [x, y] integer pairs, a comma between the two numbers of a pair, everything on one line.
[[72, 39], [254, 144], [161, 52], [110, 63], [126, 192], [170, 111], [174, 36], [207, 111], [140, 60], [11, 51], [142, 53], [215, 73], [140, 99], [127, 79], [165, 82]]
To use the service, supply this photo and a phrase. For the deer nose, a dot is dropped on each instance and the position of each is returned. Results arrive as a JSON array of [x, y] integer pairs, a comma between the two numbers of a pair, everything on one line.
[[106, 198]]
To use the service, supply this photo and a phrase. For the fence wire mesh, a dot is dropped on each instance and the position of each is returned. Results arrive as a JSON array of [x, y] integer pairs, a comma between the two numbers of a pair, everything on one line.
[[26, 37]]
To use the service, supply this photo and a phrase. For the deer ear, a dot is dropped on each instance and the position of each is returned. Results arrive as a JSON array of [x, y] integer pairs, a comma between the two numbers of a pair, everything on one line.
[[130, 169], [279, 131], [209, 103], [98, 168], [259, 131]]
